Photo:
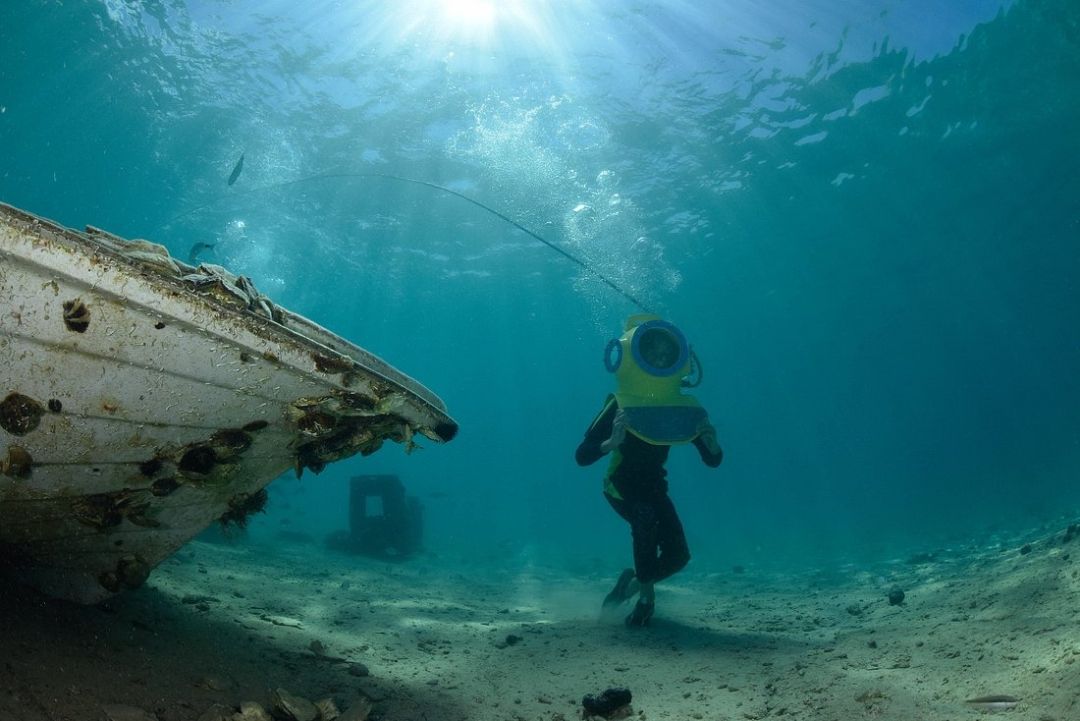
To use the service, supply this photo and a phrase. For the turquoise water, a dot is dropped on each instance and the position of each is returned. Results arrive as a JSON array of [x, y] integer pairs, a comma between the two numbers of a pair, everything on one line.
[[865, 216]]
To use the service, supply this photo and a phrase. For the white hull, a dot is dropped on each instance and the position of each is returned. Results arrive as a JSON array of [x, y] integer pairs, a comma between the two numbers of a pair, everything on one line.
[[137, 407]]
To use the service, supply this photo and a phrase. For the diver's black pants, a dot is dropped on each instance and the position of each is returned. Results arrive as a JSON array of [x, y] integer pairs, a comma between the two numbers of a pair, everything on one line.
[[660, 548]]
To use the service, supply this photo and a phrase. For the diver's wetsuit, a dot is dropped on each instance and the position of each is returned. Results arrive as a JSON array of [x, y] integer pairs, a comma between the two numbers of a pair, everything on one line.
[[636, 487]]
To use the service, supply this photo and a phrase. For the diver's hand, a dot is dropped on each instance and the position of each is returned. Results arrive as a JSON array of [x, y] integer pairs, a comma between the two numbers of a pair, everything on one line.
[[707, 434], [618, 432]]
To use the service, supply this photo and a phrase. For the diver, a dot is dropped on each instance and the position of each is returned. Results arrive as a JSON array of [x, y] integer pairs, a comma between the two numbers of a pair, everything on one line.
[[647, 415]]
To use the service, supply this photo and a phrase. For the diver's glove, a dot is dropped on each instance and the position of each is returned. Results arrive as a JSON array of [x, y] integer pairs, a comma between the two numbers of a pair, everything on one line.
[[707, 434], [618, 432]]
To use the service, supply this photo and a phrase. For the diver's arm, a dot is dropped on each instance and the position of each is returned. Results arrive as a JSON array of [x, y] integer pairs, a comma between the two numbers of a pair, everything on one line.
[[588, 452], [593, 448], [708, 447]]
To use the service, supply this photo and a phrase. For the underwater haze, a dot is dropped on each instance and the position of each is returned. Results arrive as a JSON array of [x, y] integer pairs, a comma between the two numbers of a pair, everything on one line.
[[865, 216]]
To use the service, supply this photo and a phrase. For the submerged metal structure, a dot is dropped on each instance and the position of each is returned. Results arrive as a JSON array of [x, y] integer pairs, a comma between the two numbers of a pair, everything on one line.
[[143, 399]]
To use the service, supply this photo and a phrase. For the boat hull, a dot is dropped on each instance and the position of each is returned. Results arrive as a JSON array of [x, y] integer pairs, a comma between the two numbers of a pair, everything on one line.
[[142, 400]]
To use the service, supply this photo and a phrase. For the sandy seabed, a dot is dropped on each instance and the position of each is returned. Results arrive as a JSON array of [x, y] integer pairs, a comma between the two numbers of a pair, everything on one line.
[[218, 625]]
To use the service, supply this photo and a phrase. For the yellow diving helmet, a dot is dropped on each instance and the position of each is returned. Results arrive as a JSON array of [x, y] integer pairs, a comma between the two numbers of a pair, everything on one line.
[[651, 362]]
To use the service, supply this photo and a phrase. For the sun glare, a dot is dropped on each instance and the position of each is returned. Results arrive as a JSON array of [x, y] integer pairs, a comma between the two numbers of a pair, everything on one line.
[[474, 18], [473, 13], [483, 32]]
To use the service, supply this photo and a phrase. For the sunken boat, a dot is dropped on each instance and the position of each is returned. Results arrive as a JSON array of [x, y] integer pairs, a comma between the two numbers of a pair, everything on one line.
[[143, 399]]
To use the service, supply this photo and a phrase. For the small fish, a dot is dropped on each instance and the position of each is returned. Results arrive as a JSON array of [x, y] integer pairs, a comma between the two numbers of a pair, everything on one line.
[[236, 170], [995, 702], [198, 248]]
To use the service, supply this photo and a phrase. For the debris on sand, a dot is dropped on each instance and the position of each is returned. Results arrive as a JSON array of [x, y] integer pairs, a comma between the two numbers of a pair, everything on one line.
[[612, 703], [993, 702]]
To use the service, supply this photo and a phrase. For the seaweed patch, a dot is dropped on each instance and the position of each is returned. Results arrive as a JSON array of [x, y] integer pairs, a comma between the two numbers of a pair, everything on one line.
[[106, 510], [17, 464], [229, 442], [352, 434], [199, 461], [224, 446], [131, 572], [327, 364], [20, 414], [243, 505], [164, 486], [316, 423], [76, 315]]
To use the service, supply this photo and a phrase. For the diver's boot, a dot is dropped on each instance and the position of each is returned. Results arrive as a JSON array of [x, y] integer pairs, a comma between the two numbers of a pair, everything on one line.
[[622, 591], [641, 614]]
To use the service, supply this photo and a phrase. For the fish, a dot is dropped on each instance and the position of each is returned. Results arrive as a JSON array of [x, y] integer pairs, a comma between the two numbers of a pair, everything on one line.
[[994, 702], [198, 248], [236, 170]]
